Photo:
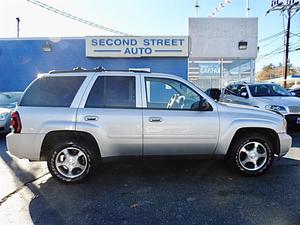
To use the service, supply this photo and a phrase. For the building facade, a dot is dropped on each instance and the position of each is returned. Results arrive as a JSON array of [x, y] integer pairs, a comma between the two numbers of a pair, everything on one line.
[[222, 50]]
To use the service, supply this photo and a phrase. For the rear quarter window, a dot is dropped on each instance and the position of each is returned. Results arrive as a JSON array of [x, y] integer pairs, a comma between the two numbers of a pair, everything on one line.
[[52, 91]]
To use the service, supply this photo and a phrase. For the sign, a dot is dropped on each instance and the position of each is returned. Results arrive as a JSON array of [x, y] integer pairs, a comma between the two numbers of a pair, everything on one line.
[[209, 69], [136, 46]]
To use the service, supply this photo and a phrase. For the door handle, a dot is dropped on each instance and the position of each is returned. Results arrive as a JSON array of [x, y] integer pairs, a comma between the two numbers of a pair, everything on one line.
[[155, 119], [91, 118]]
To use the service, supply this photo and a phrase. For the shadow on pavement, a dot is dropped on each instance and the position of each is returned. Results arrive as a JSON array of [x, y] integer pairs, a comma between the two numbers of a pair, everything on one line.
[[173, 192]]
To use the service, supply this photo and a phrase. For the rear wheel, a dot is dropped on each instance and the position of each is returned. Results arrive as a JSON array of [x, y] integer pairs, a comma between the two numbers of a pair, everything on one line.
[[70, 162], [252, 154]]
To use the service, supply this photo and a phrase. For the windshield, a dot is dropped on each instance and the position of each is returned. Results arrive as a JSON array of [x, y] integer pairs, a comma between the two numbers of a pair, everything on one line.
[[258, 90], [9, 100]]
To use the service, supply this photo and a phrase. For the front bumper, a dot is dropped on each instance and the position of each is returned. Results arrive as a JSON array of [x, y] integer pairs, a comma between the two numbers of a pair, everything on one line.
[[285, 143]]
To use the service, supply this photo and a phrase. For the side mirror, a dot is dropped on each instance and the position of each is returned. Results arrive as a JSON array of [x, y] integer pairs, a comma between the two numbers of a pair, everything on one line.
[[201, 105], [214, 93], [244, 95]]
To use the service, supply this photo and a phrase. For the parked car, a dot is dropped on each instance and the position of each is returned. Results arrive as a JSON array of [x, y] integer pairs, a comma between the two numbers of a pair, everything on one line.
[[8, 102], [267, 96], [214, 93], [73, 118], [295, 92]]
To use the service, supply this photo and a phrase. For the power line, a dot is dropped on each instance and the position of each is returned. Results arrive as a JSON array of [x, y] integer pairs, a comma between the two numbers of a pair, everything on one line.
[[297, 35], [292, 48], [270, 42], [274, 51], [273, 41], [292, 45], [72, 17], [272, 36], [269, 56]]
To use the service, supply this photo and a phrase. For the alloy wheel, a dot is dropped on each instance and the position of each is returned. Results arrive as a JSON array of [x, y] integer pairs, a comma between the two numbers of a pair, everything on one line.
[[71, 162], [252, 156]]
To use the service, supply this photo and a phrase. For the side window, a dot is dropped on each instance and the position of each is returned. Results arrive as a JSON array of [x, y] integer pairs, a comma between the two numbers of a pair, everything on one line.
[[228, 90], [112, 91], [52, 91], [233, 89], [170, 94]]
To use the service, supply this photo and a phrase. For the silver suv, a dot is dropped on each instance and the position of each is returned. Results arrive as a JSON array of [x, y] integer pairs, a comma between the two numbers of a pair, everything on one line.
[[267, 96], [73, 118]]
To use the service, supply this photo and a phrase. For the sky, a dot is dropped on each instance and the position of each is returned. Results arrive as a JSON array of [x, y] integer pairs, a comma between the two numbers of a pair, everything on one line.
[[143, 17]]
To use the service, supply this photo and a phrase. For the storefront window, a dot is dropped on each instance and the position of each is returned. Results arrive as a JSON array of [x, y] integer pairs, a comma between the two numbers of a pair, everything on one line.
[[218, 73]]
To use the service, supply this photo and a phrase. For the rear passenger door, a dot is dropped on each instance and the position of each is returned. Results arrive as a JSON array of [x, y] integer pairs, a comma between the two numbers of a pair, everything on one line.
[[110, 111]]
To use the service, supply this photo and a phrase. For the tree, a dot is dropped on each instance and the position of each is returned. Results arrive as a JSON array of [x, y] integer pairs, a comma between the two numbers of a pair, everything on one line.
[[271, 71]]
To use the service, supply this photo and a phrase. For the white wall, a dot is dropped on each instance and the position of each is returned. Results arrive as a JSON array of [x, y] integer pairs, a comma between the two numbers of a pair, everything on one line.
[[219, 37]]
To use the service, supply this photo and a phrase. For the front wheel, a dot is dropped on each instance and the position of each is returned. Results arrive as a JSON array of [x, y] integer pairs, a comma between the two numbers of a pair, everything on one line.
[[252, 154], [70, 162]]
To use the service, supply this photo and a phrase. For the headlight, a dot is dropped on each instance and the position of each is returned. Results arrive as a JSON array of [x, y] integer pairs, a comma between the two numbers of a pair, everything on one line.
[[276, 108], [3, 116]]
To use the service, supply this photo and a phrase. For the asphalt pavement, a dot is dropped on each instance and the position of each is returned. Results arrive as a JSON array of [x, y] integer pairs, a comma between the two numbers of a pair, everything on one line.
[[153, 191]]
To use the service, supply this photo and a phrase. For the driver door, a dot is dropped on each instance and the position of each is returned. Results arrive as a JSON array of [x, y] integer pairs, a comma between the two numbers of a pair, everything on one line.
[[170, 125]]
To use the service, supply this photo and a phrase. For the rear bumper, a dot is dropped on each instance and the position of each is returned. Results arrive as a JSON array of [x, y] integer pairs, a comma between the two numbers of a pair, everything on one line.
[[25, 146], [285, 143]]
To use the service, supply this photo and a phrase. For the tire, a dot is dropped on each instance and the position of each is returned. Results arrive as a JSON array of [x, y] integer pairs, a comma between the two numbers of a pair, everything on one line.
[[251, 154], [70, 162]]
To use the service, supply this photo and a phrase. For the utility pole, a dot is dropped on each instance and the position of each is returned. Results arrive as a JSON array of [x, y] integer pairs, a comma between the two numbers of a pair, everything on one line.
[[18, 27], [287, 46], [288, 9], [197, 6], [247, 8]]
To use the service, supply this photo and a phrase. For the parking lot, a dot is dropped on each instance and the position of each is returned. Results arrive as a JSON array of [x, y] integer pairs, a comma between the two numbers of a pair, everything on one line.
[[152, 191]]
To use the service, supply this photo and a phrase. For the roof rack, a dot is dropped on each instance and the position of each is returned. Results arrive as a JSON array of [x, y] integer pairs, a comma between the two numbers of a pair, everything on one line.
[[100, 69]]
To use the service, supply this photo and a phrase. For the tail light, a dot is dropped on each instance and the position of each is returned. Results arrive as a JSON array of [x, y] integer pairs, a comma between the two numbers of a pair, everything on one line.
[[16, 122]]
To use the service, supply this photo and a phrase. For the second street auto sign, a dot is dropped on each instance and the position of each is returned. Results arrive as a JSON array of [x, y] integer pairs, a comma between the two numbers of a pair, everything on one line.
[[137, 46]]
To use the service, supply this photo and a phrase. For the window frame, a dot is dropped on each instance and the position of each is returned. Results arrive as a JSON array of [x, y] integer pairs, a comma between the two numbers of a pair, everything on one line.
[[145, 95]]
